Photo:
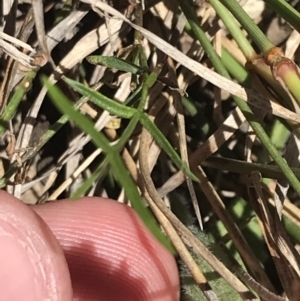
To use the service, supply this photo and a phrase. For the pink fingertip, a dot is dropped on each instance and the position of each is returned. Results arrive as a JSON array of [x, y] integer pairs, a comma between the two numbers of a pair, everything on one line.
[[111, 254], [33, 266]]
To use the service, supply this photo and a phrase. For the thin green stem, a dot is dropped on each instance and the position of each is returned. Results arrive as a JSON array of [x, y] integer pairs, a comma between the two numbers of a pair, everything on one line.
[[244, 168], [286, 11], [126, 112], [248, 24], [103, 167], [248, 51], [257, 127], [202, 38], [13, 104], [113, 156], [233, 27], [235, 69]]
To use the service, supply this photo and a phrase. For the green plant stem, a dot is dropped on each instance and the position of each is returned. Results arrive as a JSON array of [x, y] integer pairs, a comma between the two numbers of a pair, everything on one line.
[[13, 104], [117, 165], [257, 127], [116, 108], [248, 24], [286, 72], [250, 54], [242, 167], [286, 11], [149, 82], [235, 69], [259, 67], [233, 27], [103, 167], [201, 36]]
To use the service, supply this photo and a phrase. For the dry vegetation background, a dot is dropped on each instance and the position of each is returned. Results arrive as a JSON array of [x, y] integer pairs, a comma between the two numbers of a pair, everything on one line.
[[251, 249]]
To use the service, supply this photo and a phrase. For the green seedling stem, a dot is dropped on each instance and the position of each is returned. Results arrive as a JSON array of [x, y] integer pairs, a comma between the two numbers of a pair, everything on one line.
[[233, 27], [235, 69], [248, 24]]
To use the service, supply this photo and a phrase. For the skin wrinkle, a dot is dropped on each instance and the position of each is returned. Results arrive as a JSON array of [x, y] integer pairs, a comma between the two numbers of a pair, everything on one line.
[[115, 275], [131, 248], [151, 252], [111, 255]]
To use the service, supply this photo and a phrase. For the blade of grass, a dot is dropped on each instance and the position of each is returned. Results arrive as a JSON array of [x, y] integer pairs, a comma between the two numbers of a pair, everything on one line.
[[126, 112], [95, 176], [242, 167], [118, 167], [100, 171], [15, 100], [115, 63], [101, 100], [134, 97]]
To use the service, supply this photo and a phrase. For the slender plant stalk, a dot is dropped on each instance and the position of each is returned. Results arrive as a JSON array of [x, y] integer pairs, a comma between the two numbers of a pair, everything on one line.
[[117, 165], [233, 27], [286, 11], [248, 24], [255, 124]]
